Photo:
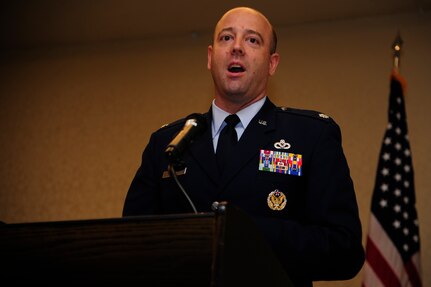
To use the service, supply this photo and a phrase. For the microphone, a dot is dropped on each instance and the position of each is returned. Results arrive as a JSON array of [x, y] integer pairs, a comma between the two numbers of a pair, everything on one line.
[[195, 125]]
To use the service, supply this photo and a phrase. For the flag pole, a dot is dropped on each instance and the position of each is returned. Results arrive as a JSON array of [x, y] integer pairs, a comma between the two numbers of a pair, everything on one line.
[[396, 47], [396, 51]]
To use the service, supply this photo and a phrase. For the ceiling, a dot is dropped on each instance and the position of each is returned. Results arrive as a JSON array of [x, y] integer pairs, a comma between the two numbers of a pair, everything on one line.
[[41, 23]]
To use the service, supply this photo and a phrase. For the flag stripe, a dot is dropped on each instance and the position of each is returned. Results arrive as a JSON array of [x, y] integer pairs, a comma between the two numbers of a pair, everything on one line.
[[380, 266], [385, 246], [371, 278], [412, 270]]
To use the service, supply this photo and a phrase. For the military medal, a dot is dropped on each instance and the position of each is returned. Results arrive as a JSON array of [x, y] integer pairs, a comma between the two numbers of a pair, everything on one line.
[[280, 162], [276, 200]]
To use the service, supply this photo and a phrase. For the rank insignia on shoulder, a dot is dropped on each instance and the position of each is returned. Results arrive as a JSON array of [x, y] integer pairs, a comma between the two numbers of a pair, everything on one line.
[[323, 116], [280, 162], [276, 200]]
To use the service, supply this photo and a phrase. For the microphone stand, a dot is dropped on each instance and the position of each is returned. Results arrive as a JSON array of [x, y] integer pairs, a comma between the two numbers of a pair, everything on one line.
[[173, 174], [195, 125]]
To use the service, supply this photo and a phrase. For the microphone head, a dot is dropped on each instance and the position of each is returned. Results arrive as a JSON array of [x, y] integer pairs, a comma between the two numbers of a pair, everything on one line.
[[194, 126]]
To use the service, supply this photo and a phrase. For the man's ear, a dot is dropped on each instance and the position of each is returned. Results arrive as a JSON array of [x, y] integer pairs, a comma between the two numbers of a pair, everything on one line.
[[210, 51], [273, 63]]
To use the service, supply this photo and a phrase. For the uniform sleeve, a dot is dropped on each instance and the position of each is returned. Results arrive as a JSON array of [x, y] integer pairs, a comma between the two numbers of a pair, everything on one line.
[[326, 244], [143, 196]]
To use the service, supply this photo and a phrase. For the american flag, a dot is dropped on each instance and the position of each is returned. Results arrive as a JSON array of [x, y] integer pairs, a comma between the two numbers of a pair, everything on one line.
[[392, 249]]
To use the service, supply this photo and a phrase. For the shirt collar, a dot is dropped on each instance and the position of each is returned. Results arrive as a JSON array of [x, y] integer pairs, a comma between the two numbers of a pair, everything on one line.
[[245, 115]]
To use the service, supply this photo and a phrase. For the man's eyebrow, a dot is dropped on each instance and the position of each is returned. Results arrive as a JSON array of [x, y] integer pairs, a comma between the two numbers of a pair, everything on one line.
[[253, 32], [229, 29]]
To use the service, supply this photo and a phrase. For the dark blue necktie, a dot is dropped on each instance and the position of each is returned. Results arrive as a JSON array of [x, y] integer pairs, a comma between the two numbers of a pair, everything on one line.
[[227, 141]]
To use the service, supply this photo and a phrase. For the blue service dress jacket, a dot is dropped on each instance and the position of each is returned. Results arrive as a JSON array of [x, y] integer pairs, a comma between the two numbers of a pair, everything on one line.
[[288, 172]]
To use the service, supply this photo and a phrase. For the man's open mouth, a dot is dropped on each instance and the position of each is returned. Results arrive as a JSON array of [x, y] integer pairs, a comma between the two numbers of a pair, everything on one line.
[[236, 68]]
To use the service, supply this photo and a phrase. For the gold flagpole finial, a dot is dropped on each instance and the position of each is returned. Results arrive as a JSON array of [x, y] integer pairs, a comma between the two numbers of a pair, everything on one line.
[[396, 47]]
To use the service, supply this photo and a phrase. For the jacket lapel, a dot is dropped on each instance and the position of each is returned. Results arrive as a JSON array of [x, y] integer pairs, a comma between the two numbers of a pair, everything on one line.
[[202, 151]]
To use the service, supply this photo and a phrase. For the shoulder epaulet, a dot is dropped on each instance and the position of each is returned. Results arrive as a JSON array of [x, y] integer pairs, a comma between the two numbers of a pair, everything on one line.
[[307, 113], [173, 124]]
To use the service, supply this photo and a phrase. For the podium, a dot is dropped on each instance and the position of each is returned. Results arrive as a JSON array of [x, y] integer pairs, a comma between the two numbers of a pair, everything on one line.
[[223, 248]]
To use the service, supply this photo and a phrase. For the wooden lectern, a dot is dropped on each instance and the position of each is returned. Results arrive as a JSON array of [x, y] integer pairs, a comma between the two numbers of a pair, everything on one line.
[[208, 249]]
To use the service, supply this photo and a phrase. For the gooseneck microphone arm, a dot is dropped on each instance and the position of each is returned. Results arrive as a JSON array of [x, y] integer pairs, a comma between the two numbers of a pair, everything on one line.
[[174, 175], [195, 125]]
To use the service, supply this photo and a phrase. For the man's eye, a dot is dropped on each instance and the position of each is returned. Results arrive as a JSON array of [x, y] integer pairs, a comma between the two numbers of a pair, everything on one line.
[[226, 38], [253, 41]]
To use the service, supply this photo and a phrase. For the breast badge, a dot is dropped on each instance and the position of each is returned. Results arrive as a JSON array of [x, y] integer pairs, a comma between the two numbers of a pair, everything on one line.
[[282, 144], [276, 200]]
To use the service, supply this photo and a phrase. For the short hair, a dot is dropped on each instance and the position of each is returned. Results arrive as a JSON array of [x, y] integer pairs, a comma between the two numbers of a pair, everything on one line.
[[273, 46]]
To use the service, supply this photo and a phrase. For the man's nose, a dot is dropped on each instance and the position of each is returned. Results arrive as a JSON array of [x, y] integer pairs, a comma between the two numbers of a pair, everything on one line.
[[237, 48]]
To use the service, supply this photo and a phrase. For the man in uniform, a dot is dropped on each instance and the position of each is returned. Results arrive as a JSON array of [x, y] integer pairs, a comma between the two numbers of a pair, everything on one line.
[[314, 225]]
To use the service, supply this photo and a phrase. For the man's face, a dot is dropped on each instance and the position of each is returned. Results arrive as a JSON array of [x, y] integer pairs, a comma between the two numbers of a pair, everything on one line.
[[239, 60]]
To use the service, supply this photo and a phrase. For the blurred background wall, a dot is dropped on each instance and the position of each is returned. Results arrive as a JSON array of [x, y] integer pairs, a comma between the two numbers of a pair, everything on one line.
[[75, 116]]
